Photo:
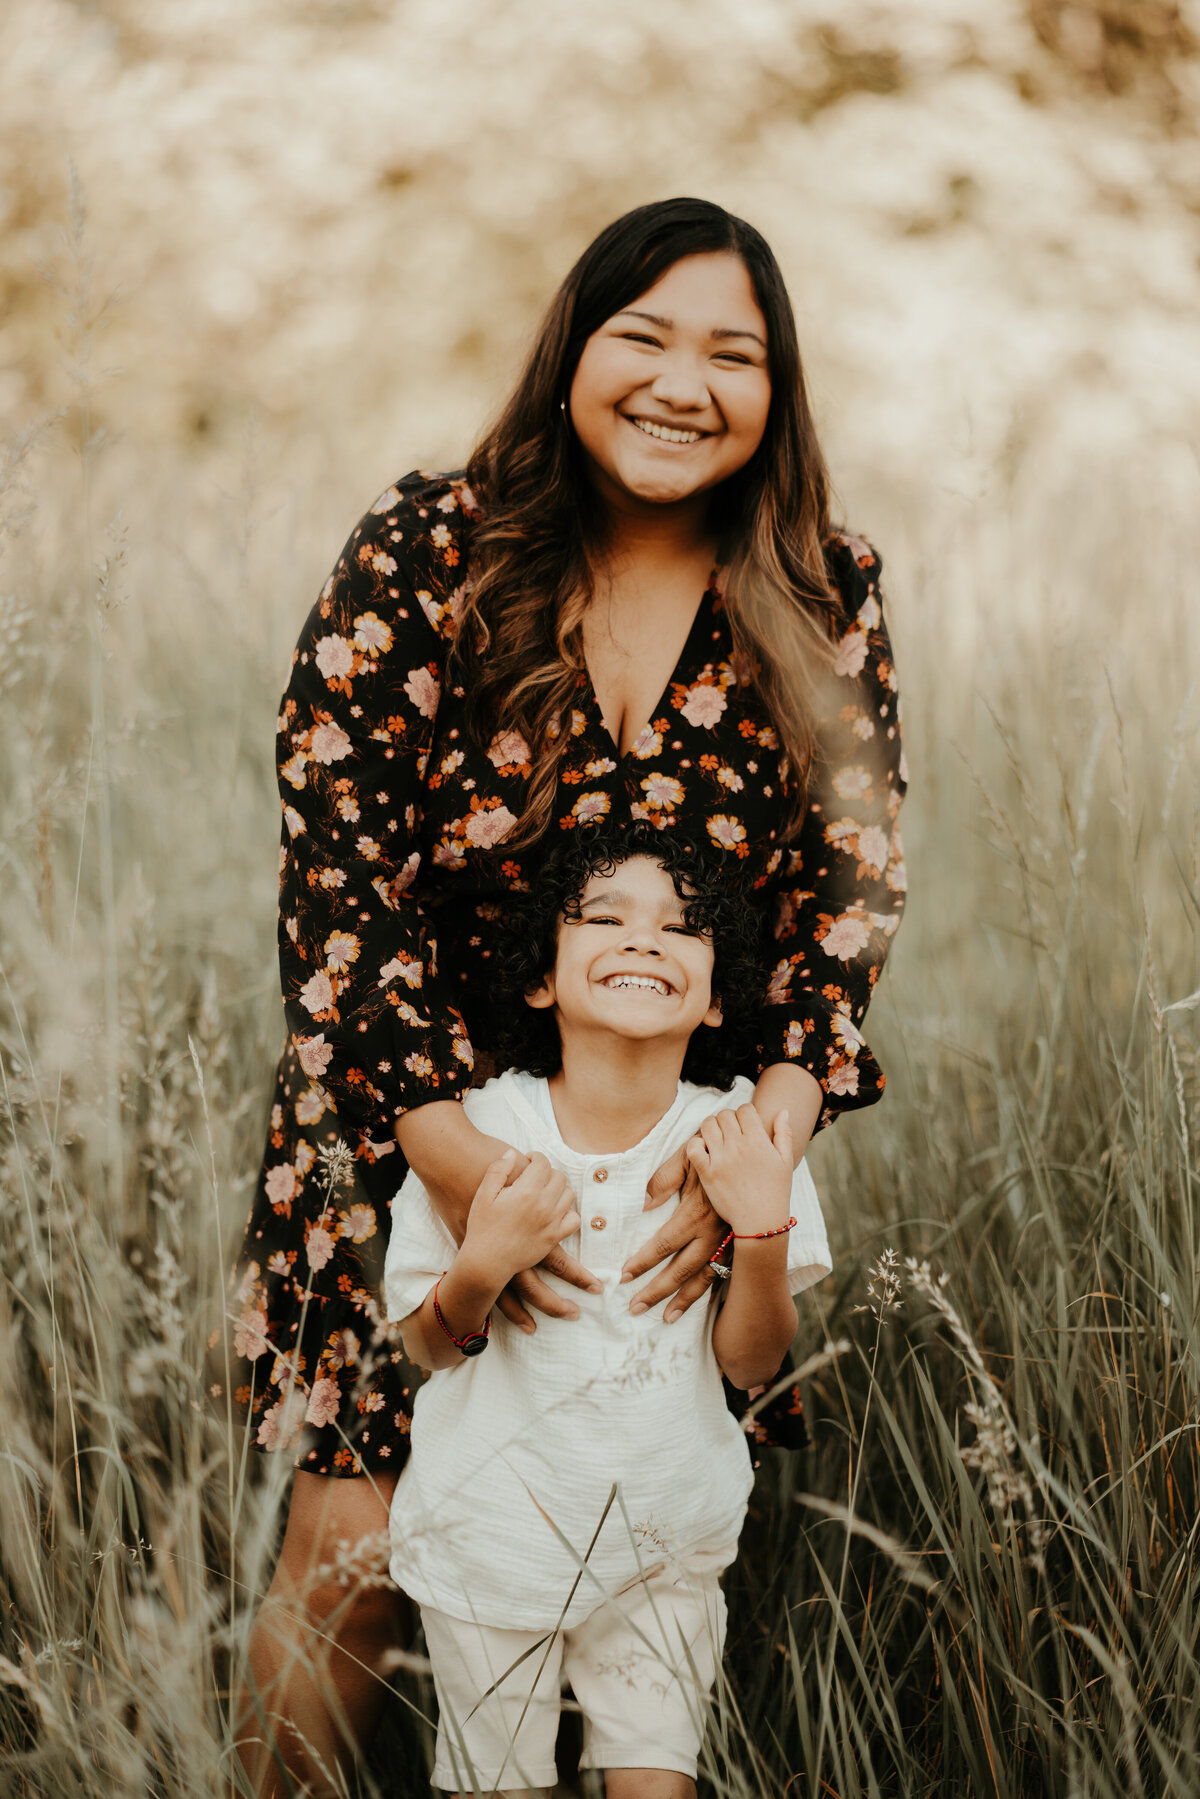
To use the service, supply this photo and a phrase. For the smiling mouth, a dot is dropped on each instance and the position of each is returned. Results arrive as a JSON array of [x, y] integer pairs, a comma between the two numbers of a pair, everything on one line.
[[667, 434], [646, 983]]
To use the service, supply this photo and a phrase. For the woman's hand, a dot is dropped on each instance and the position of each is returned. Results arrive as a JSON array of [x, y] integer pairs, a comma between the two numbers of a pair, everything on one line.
[[689, 1238], [746, 1169]]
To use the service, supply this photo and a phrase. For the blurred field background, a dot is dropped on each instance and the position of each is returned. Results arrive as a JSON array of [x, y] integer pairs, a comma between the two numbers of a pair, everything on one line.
[[256, 260]]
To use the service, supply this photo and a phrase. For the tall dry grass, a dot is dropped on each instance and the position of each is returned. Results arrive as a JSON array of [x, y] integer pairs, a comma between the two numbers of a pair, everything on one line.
[[982, 1578]]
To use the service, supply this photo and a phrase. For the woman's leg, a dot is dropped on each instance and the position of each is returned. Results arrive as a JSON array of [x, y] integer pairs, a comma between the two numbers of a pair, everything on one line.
[[318, 1641], [647, 1783]]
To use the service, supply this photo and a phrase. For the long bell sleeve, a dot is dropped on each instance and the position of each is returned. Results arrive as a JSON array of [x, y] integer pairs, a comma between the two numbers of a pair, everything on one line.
[[839, 892], [371, 1019]]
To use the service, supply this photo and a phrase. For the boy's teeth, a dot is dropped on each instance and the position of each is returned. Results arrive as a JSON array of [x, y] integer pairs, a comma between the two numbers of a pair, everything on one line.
[[638, 980], [666, 433]]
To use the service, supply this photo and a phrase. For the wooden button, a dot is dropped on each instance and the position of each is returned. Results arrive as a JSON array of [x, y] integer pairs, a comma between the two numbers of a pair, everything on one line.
[[600, 1174], [598, 1224]]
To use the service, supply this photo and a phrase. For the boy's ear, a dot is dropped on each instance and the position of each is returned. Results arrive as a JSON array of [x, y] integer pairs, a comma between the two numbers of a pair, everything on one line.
[[543, 996], [714, 1014]]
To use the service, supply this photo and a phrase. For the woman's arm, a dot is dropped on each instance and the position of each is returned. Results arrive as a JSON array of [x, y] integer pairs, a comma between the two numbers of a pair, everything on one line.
[[372, 1021], [839, 894]]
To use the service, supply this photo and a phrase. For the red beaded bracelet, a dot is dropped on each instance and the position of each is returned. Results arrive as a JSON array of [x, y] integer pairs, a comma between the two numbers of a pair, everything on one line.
[[475, 1342], [780, 1230]]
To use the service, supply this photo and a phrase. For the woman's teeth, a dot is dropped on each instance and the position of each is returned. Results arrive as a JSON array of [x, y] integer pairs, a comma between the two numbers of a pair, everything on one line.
[[666, 434]]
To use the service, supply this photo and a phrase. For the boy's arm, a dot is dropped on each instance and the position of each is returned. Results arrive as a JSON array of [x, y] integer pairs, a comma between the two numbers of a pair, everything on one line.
[[748, 1177], [509, 1228]]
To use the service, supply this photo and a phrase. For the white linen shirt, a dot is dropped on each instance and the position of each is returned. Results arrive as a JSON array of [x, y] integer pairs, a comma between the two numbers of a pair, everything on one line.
[[515, 1452]]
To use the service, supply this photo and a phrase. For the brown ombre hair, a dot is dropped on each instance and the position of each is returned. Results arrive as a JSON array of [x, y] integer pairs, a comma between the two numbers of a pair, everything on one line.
[[519, 646]]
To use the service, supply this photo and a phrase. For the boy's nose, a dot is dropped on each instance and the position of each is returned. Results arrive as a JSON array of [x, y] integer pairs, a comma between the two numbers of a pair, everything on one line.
[[640, 945]]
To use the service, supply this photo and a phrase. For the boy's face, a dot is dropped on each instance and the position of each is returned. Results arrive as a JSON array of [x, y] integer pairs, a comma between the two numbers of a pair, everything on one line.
[[629, 965]]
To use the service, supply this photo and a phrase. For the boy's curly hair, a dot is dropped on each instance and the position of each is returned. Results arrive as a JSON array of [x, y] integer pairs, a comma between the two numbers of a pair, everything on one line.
[[717, 903]]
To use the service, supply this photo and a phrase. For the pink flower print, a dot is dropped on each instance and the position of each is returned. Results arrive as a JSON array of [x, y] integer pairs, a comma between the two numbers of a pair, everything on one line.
[[408, 968], [348, 808], [847, 1033], [728, 832], [843, 1078], [280, 1183], [269, 1433], [387, 500], [293, 821], [859, 548], [704, 705], [316, 995], [793, 1043], [370, 849], [869, 615], [484, 829], [329, 744], [332, 878], [371, 635], [419, 1065], [741, 667], [778, 984], [729, 777], [852, 783], [873, 848], [319, 1246], [509, 749], [846, 936], [293, 770], [440, 537], [851, 653], [897, 876], [463, 1051], [304, 1158], [324, 1402], [424, 690], [309, 1106], [648, 743], [448, 855], [589, 806], [382, 563], [250, 1335], [315, 1055], [358, 1223], [663, 791], [341, 948], [334, 657], [863, 727]]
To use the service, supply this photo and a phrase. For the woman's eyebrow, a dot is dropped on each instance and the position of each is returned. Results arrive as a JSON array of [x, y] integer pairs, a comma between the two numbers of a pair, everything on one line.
[[653, 318]]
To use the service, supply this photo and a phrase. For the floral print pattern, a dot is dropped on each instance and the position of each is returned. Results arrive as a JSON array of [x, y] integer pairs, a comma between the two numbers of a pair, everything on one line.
[[393, 876]]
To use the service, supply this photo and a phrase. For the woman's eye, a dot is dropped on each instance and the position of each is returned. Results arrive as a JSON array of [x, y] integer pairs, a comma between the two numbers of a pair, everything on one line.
[[636, 337]]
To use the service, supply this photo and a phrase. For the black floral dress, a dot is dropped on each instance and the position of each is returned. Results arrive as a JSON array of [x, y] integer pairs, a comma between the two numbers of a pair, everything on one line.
[[391, 883]]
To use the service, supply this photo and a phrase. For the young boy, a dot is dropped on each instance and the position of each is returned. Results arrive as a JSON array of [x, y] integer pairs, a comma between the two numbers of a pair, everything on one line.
[[573, 1494]]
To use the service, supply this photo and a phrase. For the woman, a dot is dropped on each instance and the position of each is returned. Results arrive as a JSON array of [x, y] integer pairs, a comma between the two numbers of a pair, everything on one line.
[[632, 605]]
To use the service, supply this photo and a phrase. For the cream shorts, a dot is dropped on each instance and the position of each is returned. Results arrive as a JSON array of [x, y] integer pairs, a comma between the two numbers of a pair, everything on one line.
[[641, 1668]]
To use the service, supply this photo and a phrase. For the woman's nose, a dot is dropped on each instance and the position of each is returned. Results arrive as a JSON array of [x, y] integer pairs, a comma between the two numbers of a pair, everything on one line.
[[680, 383]]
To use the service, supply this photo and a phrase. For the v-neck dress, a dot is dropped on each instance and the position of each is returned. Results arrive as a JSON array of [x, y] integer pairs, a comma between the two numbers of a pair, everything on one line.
[[393, 878]]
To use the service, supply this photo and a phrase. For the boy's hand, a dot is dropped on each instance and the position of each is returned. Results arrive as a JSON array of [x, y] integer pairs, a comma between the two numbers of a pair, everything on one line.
[[513, 1226], [746, 1173]]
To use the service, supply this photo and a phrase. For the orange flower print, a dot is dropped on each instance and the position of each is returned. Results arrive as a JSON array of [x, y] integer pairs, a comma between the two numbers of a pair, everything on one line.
[[663, 791], [404, 968], [309, 1107], [589, 806], [293, 770], [358, 1223], [371, 635], [852, 783], [341, 948], [730, 833]]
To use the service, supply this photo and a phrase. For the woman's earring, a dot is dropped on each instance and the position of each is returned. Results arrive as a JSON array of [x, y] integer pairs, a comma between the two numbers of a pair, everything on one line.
[[562, 405]]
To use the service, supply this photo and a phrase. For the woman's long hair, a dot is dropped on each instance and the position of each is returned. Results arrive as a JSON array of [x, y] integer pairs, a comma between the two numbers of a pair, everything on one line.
[[519, 646]]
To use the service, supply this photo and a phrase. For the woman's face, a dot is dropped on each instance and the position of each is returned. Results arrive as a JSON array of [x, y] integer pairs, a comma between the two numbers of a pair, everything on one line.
[[671, 395]]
